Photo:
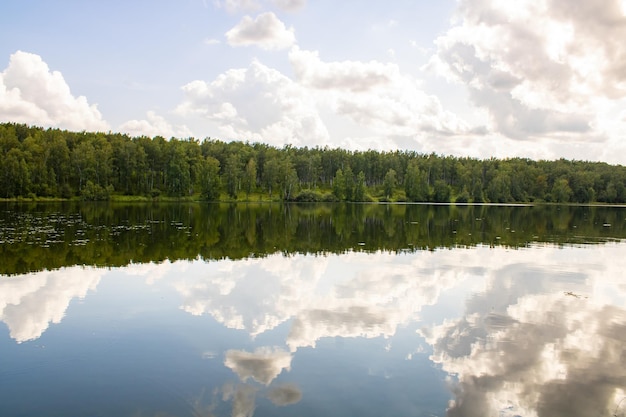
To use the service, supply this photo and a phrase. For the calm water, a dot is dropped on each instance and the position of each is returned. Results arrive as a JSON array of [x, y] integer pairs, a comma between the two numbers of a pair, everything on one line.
[[338, 310]]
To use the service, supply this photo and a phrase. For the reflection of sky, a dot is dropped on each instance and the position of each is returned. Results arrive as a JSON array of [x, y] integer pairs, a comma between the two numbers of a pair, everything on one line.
[[520, 332], [29, 303], [545, 338]]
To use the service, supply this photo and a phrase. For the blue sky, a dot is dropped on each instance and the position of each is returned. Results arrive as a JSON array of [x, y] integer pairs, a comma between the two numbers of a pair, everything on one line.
[[542, 79]]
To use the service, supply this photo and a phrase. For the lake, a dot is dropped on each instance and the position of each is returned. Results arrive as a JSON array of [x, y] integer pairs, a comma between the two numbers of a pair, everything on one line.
[[312, 310]]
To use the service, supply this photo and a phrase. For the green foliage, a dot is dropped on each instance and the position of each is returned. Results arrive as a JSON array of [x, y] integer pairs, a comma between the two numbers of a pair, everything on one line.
[[462, 197], [53, 163], [178, 175], [415, 183], [95, 192], [561, 191], [232, 175], [339, 185], [441, 192], [359, 187], [309, 196], [209, 178], [390, 182], [349, 183], [249, 177]]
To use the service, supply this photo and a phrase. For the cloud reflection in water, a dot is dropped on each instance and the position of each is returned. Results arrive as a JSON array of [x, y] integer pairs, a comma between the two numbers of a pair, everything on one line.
[[30, 303], [262, 365], [528, 346]]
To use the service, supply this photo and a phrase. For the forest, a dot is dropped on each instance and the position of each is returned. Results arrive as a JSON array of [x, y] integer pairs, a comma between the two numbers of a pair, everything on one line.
[[39, 163]]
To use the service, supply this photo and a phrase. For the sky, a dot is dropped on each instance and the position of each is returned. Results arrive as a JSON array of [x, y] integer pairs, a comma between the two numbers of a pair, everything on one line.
[[542, 79]]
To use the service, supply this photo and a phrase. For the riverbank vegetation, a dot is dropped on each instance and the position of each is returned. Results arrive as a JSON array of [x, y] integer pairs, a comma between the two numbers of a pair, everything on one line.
[[38, 163]]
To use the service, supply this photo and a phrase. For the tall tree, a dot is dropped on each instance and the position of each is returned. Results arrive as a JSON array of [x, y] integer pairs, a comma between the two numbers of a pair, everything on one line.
[[389, 183], [359, 187], [339, 185], [209, 178], [232, 174], [178, 178], [249, 177]]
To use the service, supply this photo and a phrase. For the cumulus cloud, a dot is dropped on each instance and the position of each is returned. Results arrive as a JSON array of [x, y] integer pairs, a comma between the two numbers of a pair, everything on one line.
[[265, 31], [154, 125], [539, 340], [151, 271], [375, 95], [258, 104], [263, 365], [237, 6], [352, 321], [540, 68], [243, 397], [367, 104], [564, 359], [381, 295], [31, 93], [285, 395], [256, 294], [378, 294], [30, 303], [347, 75], [289, 5]]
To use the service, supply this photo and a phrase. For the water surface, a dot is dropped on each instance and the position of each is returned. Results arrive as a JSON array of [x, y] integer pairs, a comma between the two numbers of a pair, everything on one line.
[[271, 310]]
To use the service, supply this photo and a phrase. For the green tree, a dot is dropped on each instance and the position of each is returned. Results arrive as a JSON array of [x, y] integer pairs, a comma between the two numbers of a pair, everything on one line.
[[561, 191], [339, 185], [289, 179], [359, 187], [15, 174], [178, 178], [415, 183], [271, 172], [390, 183], [84, 161], [348, 177], [499, 189], [249, 177], [441, 191], [209, 178]]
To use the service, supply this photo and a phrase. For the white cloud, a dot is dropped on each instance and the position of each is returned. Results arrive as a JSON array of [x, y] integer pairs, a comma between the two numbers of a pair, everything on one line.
[[376, 95], [353, 76], [243, 397], [285, 395], [381, 294], [235, 295], [539, 67], [152, 271], [289, 5], [368, 105], [266, 32], [540, 340], [238, 6], [263, 365], [31, 93], [375, 294], [154, 125], [258, 104], [30, 303]]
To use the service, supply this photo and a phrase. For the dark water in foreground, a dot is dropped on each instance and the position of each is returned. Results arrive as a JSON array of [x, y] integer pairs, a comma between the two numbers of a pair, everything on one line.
[[339, 310]]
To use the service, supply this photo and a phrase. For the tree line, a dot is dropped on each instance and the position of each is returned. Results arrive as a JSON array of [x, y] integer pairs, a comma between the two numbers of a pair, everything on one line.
[[38, 162]]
